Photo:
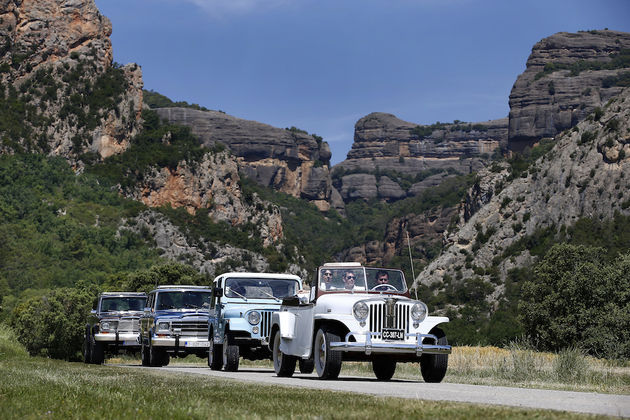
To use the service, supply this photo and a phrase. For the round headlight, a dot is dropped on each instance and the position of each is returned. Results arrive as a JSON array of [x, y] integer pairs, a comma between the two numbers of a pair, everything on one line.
[[419, 312], [163, 326], [360, 311], [253, 317]]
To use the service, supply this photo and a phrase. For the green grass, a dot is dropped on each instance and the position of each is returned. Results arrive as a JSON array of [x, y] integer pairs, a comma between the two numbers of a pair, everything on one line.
[[33, 387]]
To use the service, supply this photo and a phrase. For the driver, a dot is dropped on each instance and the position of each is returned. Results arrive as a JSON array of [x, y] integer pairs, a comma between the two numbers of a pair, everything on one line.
[[382, 277]]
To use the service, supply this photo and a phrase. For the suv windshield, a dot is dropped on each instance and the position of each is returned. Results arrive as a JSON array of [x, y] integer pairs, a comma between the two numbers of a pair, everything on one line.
[[188, 299], [118, 303], [256, 288]]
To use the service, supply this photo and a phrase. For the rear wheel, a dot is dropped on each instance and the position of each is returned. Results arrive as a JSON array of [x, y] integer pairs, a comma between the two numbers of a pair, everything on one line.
[[383, 368], [433, 366], [283, 364], [327, 361], [230, 355], [215, 355]]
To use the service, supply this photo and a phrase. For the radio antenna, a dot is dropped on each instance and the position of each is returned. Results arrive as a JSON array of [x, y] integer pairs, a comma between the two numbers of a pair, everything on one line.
[[413, 273]]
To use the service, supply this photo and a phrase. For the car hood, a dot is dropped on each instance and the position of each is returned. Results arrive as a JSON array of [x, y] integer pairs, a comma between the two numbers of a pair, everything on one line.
[[184, 315]]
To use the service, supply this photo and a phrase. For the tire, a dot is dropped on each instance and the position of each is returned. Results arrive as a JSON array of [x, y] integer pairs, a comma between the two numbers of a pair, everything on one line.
[[307, 365], [97, 351], [144, 354], [283, 364], [215, 355], [433, 366], [327, 361], [383, 368], [157, 357], [87, 350], [230, 355]]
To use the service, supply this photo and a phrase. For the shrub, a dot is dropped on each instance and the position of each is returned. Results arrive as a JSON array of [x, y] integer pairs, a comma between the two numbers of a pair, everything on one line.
[[52, 325]]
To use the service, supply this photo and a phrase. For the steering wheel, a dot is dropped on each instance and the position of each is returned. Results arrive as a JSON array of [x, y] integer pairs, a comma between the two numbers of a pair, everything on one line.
[[384, 288]]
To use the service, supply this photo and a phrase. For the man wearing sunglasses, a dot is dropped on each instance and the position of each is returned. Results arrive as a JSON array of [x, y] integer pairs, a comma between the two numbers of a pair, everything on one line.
[[327, 276], [349, 278]]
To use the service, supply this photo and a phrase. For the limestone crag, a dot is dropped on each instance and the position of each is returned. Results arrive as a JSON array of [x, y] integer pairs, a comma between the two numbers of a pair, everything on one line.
[[206, 256], [384, 143], [289, 161], [565, 80], [55, 53], [213, 184], [586, 174], [425, 236]]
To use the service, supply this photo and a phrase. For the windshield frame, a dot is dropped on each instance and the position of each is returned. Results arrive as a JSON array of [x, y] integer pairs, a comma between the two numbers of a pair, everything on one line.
[[163, 293], [104, 298], [366, 280], [229, 282]]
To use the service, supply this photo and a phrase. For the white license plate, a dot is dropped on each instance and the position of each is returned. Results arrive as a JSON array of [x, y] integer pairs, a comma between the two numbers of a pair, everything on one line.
[[390, 334], [196, 344]]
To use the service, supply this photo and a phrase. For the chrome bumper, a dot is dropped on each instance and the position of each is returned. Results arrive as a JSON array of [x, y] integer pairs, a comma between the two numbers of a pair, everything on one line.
[[399, 347], [122, 339], [179, 342]]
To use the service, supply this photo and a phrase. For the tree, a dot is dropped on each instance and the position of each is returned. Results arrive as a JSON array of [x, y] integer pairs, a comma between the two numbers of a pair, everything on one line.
[[577, 299], [147, 280]]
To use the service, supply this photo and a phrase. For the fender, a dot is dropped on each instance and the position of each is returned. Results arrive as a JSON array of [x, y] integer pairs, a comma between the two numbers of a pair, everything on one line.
[[286, 321]]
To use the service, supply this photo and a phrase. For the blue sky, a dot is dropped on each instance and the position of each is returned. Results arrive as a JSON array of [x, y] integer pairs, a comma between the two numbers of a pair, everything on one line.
[[320, 65]]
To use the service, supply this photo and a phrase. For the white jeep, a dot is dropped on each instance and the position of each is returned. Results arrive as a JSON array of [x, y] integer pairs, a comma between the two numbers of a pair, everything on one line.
[[357, 313]]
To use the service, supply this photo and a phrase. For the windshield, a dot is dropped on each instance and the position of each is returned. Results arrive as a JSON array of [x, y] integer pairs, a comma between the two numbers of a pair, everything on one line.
[[342, 279], [117, 304], [255, 288], [189, 299], [384, 280]]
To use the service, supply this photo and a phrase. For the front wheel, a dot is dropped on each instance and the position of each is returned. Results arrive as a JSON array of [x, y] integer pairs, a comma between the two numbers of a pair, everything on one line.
[[383, 368], [215, 355], [144, 355], [230, 355], [433, 366], [327, 361], [283, 364], [97, 351], [307, 366], [87, 354]]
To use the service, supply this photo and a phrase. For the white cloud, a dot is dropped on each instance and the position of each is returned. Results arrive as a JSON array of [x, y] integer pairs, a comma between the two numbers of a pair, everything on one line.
[[229, 7]]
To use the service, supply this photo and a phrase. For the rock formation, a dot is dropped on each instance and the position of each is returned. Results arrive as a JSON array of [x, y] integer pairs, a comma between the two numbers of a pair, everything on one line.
[[568, 75], [56, 59], [289, 161], [385, 147], [585, 174]]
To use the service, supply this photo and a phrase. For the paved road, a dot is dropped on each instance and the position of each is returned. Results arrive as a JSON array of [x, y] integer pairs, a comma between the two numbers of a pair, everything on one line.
[[581, 402]]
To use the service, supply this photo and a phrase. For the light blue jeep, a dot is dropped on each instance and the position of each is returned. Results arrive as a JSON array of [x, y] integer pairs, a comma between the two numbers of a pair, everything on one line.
[[240, 315]]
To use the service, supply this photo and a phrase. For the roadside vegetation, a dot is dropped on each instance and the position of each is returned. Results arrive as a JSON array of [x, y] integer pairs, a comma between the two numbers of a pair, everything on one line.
[[33, 387]]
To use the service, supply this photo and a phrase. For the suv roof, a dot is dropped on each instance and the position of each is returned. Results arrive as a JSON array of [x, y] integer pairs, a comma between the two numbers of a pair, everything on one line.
[[262, 276], [182, 286], [122, 294]]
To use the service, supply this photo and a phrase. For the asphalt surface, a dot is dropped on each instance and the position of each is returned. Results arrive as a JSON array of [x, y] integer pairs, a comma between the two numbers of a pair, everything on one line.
[[580, 402]]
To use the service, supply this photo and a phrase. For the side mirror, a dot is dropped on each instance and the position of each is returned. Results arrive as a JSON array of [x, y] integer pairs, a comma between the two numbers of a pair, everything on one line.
[[147, 309], [218, 292], [93, 311]]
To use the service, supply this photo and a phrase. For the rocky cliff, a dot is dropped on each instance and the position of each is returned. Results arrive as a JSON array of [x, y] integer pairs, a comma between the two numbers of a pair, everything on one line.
[[568, 75], [290, 161], [59, 80], [388, 150], [585, 174]]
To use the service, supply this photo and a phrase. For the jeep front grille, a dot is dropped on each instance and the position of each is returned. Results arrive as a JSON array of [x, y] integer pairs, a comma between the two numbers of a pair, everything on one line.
[[265, 323], [190, 328], [128, 325], [398, 319]]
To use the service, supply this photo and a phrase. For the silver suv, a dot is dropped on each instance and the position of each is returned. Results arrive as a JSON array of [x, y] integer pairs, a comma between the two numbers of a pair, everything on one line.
[[113, 326]]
